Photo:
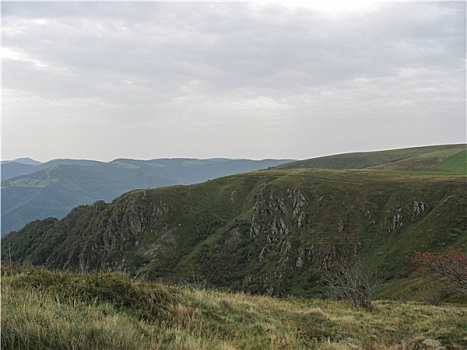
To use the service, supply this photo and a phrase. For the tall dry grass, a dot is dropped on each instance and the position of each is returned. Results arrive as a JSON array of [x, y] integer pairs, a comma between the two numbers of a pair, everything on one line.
[[51, 310]]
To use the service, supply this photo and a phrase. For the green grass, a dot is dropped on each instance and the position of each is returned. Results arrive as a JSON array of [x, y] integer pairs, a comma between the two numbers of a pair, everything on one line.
[[450, 159], [51, 310], [456, 163]]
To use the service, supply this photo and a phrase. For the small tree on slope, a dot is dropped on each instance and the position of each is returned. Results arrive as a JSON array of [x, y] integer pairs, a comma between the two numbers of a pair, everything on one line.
[[347, 280]]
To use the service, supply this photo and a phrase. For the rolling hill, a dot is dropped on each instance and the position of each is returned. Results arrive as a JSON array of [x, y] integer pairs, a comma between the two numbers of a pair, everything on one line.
[[441, 159]]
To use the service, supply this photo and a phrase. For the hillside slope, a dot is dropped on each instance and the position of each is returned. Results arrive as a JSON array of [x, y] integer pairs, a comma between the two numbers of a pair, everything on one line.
[[265, 232], [55, 187], [445, 158]]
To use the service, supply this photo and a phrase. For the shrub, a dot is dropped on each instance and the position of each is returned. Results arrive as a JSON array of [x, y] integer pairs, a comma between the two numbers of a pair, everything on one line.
[[347, 280], [449, 266]]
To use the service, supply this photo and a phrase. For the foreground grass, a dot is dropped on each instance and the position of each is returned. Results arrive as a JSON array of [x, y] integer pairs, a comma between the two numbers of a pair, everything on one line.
[[51, 310]]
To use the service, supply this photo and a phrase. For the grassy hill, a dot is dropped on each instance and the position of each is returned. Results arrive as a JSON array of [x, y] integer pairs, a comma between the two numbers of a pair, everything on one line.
[[443, 159], [51, 310]]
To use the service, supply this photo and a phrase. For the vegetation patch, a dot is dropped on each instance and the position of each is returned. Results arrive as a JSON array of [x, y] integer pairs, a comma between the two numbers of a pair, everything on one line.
[[45, 310]]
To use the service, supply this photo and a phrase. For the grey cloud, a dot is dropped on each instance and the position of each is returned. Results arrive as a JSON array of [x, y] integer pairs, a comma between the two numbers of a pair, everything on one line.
[[207, 61], [180, 46]]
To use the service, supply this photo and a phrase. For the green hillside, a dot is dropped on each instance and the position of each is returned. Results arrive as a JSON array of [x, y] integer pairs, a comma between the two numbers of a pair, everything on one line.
[[445, 159], [50, 310], [265, 232]]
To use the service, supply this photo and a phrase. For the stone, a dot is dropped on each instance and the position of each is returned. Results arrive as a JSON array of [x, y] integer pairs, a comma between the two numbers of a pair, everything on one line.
[[432, 343]]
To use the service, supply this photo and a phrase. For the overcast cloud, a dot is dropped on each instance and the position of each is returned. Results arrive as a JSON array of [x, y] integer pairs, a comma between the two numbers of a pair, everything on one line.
[[151, 80]]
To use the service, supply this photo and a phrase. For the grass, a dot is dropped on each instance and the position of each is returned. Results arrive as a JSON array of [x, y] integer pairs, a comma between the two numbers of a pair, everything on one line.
[[56, 310], [455, 163], [447, 159]]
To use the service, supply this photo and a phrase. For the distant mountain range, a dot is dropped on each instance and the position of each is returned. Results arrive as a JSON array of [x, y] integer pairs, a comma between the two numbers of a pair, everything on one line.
[[32, 190]]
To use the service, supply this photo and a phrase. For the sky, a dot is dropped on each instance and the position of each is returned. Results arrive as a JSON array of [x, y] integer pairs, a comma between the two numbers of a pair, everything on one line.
[[259, 79]]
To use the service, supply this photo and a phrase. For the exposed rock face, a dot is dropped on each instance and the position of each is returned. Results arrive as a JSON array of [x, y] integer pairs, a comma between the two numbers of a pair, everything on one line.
[[116, 230], [298, 205], [419, 209], [270, 214]]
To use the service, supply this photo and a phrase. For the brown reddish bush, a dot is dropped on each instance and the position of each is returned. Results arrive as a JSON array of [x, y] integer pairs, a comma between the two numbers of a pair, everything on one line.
[[450, 266]]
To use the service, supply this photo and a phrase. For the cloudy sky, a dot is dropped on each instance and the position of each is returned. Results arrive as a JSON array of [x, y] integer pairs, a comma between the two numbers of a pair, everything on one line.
[[240, 80]]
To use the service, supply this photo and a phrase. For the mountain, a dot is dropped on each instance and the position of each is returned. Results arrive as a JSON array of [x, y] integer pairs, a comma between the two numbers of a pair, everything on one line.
[[24, 161], [12, 168], [54, 188], [267, 232], [446, 158], [26, 166]]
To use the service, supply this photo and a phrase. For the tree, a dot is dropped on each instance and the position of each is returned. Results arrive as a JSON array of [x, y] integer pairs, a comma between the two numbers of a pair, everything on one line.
[[449, 266], [347, 280]]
